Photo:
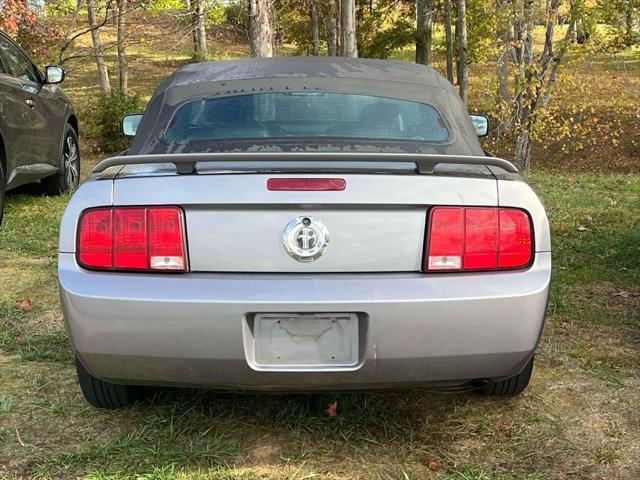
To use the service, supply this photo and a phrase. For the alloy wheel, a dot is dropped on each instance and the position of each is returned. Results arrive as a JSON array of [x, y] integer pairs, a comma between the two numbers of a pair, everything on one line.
[[71, 163]]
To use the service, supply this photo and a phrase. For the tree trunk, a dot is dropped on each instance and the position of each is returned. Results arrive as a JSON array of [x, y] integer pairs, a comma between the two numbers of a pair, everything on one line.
[[504, 39], [315, 34], [629, 34], [448, 39], [260, 28], [332, 33], [424, 31], [461, 30], [529, 26], [103, 72], [123, 68], [349, 41], [534, 80], [339, 39], [524, 103], [192, 20], [522, 154], [201, 50]]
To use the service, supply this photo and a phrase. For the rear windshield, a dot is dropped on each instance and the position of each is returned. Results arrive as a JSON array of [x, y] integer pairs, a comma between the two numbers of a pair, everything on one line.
[[282, 115]]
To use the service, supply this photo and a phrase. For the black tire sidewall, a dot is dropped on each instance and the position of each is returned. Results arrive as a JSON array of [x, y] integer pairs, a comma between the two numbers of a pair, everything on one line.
[[513, 385], [103, 394], [2, 193], [57, 184]]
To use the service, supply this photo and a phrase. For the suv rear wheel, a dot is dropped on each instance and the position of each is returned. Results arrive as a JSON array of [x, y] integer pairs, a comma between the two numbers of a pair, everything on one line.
[[68, 178], [103, 394], [510, 386]]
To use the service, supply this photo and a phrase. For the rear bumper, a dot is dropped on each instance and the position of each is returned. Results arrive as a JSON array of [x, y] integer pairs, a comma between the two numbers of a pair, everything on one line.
[[191, 330]]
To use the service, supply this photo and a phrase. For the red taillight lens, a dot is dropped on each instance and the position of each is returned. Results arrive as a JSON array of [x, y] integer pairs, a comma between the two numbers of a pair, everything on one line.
[[446, 242], [95, 238], [306, 184], [469, 238], [166, 250], [515, 239], [130, 238], [480, 239], [140, 238]]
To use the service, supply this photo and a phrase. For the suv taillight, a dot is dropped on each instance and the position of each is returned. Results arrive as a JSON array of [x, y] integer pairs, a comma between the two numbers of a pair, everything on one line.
[[477, 238], [132, 238]]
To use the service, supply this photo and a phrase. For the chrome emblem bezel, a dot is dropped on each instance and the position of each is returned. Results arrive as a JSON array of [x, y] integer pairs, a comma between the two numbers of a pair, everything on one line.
[[305, 238]]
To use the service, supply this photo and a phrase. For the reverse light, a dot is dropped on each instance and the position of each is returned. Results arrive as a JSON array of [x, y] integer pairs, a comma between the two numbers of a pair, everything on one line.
[[132, 238], [477, 238], [306, 184]]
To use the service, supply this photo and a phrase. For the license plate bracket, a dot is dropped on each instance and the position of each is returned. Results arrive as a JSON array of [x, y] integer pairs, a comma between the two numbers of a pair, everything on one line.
[[283, 341]]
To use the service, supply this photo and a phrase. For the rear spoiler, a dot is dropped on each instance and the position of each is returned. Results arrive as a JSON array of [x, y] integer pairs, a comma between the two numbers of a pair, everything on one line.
[[186, 162]]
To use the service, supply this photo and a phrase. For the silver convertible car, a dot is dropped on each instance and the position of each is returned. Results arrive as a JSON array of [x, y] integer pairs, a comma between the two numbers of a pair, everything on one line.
[[304, 224]]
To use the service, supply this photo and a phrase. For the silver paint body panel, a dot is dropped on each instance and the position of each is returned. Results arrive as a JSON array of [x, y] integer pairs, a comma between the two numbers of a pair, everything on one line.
[[188, 330], [414, 328]]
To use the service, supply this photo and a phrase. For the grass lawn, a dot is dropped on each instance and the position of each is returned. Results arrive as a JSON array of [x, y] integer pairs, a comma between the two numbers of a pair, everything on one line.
[[578, 419]]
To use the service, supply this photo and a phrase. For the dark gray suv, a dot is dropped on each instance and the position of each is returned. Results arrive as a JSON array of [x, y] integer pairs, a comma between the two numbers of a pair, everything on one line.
[[38, 125]]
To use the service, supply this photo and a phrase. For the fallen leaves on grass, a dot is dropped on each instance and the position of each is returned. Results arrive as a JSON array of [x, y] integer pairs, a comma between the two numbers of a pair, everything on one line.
[[433, 465], [24, 305]]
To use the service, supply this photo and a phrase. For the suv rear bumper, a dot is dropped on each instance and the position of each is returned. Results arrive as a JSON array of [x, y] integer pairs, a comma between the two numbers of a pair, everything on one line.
[[191, 329]]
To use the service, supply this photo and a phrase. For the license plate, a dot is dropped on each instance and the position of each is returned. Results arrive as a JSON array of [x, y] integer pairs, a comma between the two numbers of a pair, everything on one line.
[[300, 341]]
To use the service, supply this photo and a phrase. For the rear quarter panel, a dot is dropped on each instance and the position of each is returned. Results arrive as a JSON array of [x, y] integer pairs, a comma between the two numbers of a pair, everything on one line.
[[517, 193]]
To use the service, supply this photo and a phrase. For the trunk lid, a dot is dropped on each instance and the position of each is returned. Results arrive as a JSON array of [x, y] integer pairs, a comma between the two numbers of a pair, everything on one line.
[[235, 224]]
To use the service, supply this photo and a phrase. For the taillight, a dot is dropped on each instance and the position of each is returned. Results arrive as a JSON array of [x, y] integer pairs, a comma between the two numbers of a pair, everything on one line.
[[132, 238], [477, 238], [306, 184], [95, 238], [129, 238]]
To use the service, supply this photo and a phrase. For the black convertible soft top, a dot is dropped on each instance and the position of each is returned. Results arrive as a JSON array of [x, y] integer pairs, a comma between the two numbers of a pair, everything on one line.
[[303, 67], [392, 79]]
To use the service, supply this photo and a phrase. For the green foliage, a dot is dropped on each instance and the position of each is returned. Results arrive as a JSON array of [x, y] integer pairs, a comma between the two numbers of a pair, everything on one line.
[[293, 26], [622, 20], [59, 8], [157, 6], [214, 14], [481, 26], [237, 14], [108, 112], [384, 27]]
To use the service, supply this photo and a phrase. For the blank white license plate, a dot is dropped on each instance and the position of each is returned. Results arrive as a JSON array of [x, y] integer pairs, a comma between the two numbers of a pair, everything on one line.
[[305, 341]]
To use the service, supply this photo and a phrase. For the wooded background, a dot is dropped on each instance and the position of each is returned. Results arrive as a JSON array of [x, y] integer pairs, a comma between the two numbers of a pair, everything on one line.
[[515, 51]]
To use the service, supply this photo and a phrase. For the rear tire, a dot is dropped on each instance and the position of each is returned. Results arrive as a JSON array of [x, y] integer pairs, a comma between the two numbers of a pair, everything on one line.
[[510, 386], [101, 394], [68, 179]]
